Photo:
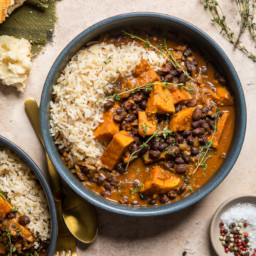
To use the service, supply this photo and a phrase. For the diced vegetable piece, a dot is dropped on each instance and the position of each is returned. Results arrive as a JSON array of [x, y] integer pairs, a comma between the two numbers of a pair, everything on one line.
[[147, 124], [160, 100], [106, 130], [145, 74], [224, 96], [115, 149], [160, 181], [13, 225], [180, 95], [148, 160], [182, 120], [5, 208], [220, 128]]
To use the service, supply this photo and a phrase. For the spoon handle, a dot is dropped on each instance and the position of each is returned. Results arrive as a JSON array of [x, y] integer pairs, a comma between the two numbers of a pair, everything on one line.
[[32, 111]]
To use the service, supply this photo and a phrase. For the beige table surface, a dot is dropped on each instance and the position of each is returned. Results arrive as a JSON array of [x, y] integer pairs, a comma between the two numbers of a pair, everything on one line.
[[120, 235]]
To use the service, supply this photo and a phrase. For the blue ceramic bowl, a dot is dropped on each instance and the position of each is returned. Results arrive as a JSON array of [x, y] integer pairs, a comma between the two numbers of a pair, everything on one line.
[[205, 44], [34, 168]]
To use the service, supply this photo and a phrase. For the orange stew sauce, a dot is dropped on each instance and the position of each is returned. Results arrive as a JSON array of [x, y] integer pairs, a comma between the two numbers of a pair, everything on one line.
[[208, 94]]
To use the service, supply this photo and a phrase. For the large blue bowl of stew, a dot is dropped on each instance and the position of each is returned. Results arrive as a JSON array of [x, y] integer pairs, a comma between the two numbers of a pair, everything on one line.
[[155, 196]]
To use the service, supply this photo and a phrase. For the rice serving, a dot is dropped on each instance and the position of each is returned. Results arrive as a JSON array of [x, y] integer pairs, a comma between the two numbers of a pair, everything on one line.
[[24, 192], [81, 90]]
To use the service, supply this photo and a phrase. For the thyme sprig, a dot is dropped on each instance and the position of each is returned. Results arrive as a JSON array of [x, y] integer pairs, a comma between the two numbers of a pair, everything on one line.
[[148, 87], [201, 162], [246, 14], [167, 53]]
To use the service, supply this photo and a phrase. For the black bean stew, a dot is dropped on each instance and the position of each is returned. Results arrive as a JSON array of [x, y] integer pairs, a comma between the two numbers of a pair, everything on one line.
[[167, 131]]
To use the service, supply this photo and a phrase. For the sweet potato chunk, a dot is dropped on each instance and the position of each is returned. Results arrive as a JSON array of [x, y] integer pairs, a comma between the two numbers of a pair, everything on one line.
[[145, 74], [5, 208], [224, 96], [106, 130], [180, 95], [160, 100], [220, 128], [115, 149], [160, 181], [182, 120], [147, 124]]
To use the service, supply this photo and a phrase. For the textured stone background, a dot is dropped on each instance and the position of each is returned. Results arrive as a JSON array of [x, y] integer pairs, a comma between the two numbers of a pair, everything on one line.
[[120, 235]]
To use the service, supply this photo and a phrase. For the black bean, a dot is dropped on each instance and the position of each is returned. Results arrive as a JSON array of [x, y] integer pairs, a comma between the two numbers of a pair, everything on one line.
[[118, 85], [105, 192], [182, 189], [162, 146], [154, 154], [24, 220], [188, 65], [127, 105], [197, 114], [191, 103], [205, 110], [11, 215], [198, 132], [176, 80], [173, 151], [100, 180], [136, 183], [167, 68], [190, 140], [120, 169], [168, 77], [186, 133], [212, 124], [178, 108], [143, 104], [120, 111], [194, 150], [134, 147], [186, 157], [136, 139], [144, 150], [179, 139], [179, 160], [187, 52], [117, 118], [206, 127], [203, 140], [129, 119], [152, 202], [134, 202], [167, 165], [204, 70], [107, 186], [181, 168], [182, 78], [137, 98], [170, 140], [164, 199], [171, 194], [109, 104], [113, 180], [92, 179], [196, 124], [155, 144]]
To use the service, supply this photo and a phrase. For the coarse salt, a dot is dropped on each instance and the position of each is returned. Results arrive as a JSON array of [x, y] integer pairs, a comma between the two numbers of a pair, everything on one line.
[[242, 212]]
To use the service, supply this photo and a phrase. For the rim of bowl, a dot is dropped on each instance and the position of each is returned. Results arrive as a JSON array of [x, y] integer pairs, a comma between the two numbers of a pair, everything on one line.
[[47, 191], [90, 196]]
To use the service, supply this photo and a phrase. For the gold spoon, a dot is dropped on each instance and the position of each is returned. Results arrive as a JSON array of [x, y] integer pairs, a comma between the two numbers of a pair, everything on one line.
[[78, 215]]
